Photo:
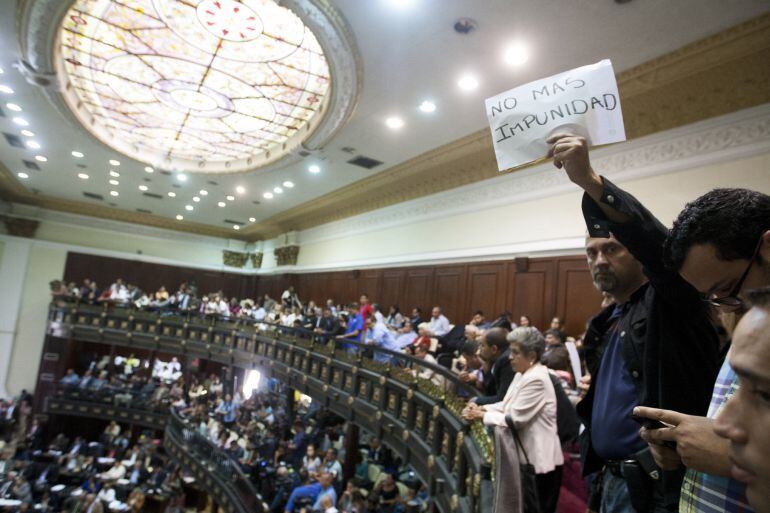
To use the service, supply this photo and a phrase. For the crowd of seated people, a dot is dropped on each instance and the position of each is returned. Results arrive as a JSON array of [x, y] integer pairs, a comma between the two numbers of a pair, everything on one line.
[[295, 463], [124, 386], [477, 351], [111, 473]]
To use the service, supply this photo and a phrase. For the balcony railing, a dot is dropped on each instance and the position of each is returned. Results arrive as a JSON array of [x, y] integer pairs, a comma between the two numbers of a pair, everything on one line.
[[413, 406], [230, 488]]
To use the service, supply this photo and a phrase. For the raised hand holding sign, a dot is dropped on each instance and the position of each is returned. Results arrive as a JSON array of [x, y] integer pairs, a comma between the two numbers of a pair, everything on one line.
[[583, 101]]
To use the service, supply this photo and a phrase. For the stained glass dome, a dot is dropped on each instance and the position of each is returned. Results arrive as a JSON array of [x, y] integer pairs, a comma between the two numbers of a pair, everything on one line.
[[195, 85]]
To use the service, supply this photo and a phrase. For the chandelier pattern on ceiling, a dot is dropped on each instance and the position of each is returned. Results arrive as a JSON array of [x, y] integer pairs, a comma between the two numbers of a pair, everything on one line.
[[194, 81]]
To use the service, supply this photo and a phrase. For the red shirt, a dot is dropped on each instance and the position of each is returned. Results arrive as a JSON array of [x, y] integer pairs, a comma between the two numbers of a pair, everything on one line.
[[366, 310]]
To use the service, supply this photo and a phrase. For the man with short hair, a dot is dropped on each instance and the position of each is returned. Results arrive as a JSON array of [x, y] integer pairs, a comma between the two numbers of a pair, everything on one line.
[[355, 325], [638, 351], [327, 323], [494, 350], [745, 418], [479, 321], [332, 465], [405, 336], [315, 492], [439, 324], [365, 308], [377, 334], [416, 318], [720, 243]]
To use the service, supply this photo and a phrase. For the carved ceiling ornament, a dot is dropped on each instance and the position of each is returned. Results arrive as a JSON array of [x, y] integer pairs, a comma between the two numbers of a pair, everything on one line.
[[286, 255]]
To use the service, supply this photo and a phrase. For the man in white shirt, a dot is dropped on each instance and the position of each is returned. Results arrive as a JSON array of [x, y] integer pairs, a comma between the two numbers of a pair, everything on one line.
[[439, 325], [117, 471], [377, 334]]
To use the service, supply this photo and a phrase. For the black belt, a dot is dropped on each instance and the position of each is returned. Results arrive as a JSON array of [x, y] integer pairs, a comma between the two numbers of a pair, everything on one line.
[[615, 467]]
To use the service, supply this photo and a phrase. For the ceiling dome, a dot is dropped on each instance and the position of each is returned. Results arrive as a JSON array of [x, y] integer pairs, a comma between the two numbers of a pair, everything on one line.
[[199, 85]]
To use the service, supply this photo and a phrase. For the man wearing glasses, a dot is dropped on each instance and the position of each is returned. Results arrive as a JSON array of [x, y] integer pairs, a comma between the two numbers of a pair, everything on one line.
[[720, 243], [655, 347]]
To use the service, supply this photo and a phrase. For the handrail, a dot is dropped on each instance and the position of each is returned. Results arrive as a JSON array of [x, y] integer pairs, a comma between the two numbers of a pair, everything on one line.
[[229, 479], [417, 418]]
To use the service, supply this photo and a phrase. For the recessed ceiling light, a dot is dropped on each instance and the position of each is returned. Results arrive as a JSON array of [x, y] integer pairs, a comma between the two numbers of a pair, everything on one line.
[[33, 144], [13, 107], [252, 219], [468, 83], [28, 133], [114, 173], [288, 184], [143, 188], [114, 162], [114, 182], [427, 106], [22, 175], [515, 54], [83, 176], [394, 122], [221, 204], [181, 177], [41, 158], [314, 169], [268, 195], [230, 198], [240, 189], [277, 190], [21, 121], [148, 169], [77, 154], [179, 217], [114, 193], [236, 227], [171, 194], [196, 199], [400, 3], [5, 89], [189, 208], [204, 192]]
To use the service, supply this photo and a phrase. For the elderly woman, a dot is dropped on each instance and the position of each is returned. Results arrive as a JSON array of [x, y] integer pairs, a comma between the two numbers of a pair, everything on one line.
[[530, 404]]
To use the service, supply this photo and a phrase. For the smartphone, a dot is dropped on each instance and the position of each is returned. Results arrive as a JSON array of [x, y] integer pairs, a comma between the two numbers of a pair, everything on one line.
[[653, 424], [649, 423]]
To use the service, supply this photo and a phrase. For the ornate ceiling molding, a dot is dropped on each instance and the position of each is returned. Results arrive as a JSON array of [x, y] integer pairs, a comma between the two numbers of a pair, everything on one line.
[[737, 135], [720, 74], [13, 192]]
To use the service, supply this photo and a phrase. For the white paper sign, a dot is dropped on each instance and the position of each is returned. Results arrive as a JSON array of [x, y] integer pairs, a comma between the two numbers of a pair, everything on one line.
[[583, 101]]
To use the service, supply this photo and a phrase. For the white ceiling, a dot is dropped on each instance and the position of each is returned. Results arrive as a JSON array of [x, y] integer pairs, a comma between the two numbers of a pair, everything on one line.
[[409, 54]]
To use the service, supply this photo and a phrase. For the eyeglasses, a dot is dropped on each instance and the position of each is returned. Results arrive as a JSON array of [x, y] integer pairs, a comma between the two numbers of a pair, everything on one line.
[[732, 300]]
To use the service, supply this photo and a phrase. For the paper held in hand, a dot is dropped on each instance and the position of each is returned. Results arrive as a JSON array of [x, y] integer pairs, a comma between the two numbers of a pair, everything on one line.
[[583, 101]]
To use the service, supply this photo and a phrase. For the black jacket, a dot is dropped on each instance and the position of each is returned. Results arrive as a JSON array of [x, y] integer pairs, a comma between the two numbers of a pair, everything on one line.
[[669, 343], [497, 381]]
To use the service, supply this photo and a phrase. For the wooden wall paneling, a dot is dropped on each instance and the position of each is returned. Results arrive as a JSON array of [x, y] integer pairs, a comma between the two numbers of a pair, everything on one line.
[[532, 292], [449, 291], [538, 287], [369, 282], [577, 300], [486, 290], [392, 290], [418, 290]]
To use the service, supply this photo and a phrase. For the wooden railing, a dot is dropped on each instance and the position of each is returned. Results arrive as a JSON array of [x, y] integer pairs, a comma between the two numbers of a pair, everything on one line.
[[379, 390], [214, 470]]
